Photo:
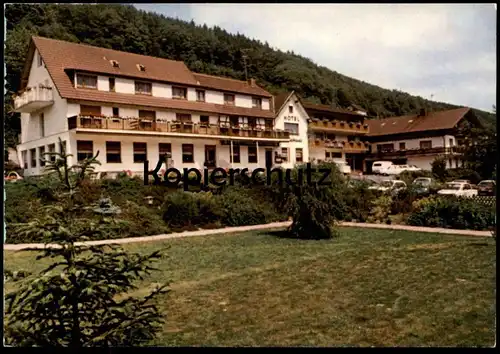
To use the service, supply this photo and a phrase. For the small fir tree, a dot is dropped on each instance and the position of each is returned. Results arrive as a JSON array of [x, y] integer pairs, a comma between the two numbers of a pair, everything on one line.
[[81, 299]]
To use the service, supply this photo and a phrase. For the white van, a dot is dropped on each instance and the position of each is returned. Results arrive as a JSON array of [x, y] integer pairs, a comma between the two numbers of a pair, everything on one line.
[[380, 167]]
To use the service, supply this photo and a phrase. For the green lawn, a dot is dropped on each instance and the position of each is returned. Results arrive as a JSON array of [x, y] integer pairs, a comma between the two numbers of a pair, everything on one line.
[[365, 288]]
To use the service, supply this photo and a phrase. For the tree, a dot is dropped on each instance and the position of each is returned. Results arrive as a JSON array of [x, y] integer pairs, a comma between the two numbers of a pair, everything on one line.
[[438, 167], [82, 298]]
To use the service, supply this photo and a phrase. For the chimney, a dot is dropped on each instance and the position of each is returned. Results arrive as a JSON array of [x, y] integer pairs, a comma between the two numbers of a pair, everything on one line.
[[423, 112], [252, 83]]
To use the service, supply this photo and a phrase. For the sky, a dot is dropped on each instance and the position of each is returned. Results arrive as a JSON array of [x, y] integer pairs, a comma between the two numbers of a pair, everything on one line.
[[444, 52]]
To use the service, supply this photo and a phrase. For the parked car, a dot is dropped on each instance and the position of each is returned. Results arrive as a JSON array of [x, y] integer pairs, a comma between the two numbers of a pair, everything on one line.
[[487, 187], [343, 166], [412, 168], [12, 177], [458, 189], [389, 186], [393, 170], [422, 185], [461, 181], [378, 166], [356, 182]]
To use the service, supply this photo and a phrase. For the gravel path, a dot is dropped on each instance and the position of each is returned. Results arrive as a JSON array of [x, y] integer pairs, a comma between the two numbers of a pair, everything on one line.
[[275, 225]]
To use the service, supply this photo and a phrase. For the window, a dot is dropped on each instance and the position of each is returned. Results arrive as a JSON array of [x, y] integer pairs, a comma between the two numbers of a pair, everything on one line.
[[112, 84], [352, 138], [268, 124], [200, 95], [252, 122], [52, 149], [256, 102], [84, 150], [298, 155], [183, 117], [179, 92], [143, 88], [451, 142], [140, 152], [151, 115], [252, 154], [336, 155], [426, 144], [24, 155], [39, 60], [402, 146], [164, 149], [33, 158], [229, 99], [86, 81], [292, 128], [284, 154], [235, 158], [290, 109], [466, 186], [113, 152], [116, 112], [90, 110], [187, 153], [205, 120], [42, 125], [385, 147], [327, 154], [41, 151]]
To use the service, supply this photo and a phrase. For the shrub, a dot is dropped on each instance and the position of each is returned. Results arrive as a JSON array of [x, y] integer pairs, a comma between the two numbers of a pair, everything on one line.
[[439, 167], [240, 206], [402, 202], [142, 221], [452, 212], [358, 202], [182, 209], [315, 208], [381, 208]]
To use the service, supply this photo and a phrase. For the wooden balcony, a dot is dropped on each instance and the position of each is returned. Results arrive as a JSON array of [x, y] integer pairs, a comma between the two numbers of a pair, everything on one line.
[[174, 127], [350, 147], [455, 150], [339, 127], [33, 99]]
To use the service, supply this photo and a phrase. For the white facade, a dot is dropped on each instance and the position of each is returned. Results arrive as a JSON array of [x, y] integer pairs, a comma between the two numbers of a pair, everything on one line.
[[42, 135], [423, 161], [294, 115]]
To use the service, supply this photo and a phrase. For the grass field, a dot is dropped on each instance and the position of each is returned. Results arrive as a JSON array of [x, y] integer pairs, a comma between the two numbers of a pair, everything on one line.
[[365, 288]]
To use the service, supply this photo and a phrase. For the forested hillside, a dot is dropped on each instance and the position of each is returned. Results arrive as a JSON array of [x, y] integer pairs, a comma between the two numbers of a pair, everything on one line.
[[205, 50]]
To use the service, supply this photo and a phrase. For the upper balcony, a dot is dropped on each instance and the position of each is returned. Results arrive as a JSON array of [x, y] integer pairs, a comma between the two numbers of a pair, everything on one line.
[[33, 99], [222, 130], [388, 153], [351, 128], [352, 147]]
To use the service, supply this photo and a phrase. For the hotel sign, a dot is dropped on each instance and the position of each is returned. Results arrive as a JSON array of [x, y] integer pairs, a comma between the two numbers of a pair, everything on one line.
[[291, 119]]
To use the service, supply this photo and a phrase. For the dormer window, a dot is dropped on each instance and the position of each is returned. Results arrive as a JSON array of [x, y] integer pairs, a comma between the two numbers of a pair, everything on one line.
[[143, 88], [86, 81], [115, 63], [141, 67], [179, 92]]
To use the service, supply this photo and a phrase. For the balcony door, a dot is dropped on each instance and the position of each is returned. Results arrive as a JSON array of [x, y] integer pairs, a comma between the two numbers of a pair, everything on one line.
[[210, 156]]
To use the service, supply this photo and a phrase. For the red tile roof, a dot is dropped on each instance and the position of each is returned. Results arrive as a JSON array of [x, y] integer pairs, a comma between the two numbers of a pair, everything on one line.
[[326, 108], [231, 85], [60, 56], [279, 100], [415, 123]]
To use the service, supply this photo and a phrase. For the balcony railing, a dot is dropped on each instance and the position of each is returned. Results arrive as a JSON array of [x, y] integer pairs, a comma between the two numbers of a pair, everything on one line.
[[419, 151], [341, 127], [164, 126], [346, 146], [34, 98]]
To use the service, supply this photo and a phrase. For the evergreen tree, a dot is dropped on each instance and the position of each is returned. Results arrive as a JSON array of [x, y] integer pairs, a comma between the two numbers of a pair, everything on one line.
[[81, 299]]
